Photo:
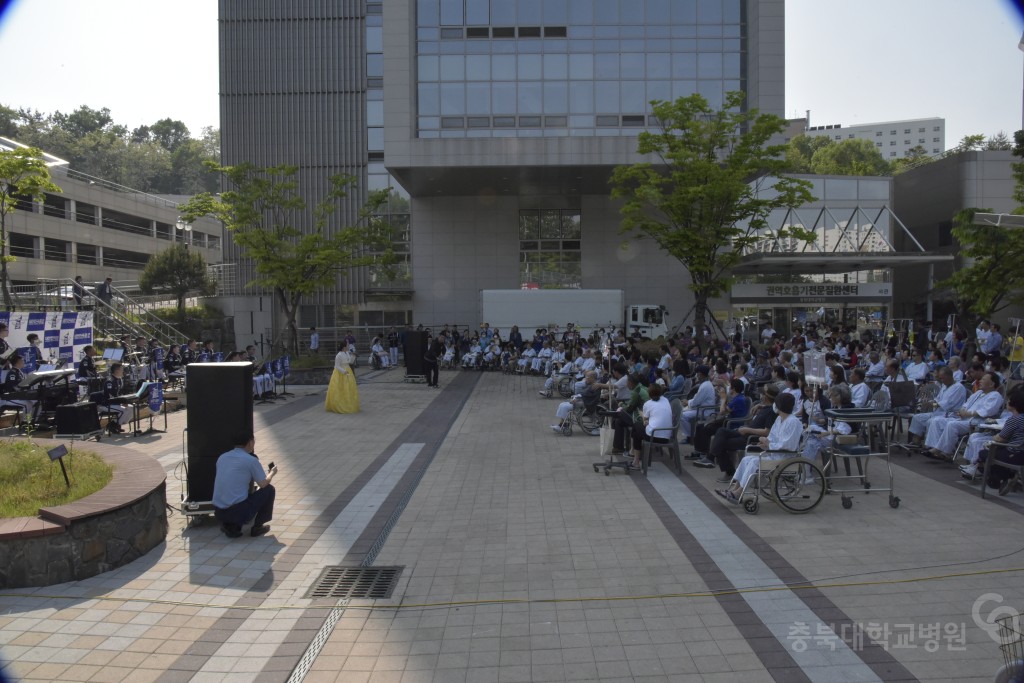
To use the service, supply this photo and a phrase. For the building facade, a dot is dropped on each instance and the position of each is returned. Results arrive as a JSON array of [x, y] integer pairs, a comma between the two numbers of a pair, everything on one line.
[[496, 122], [894, 139]]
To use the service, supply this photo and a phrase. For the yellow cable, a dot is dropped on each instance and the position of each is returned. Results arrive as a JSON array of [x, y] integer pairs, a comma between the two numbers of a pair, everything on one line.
[[520, 601]]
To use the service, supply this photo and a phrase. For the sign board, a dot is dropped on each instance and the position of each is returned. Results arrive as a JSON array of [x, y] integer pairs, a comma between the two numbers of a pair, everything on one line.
[[63, 334], [812, 293]]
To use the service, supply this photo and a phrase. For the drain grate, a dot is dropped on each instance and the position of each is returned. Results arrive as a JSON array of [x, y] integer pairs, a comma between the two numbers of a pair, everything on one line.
[[355, 582]]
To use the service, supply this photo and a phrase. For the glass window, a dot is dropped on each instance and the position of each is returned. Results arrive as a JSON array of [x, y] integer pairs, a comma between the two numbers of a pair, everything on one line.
[[731, 11], [503, 98], [503, 67], [657, 13], [659, 65], [580, 13], [427, 12], [530, 98], [451, 13], [606, 96], [374, 39], [708, 11], [581, 66], [556, 12], [684, 65], [529, 225], [477, 12], [374, 66], [730, 65], [556, 67], [606, 66], [632, 66], [606, 11], [684, 12], [709, 65], [428, 122], [529, 67], [556, 97], [453, 98], [478, 98], [429, 99], [581, 97], [632, 96], [658, 90], [453, 68], [529, 12], [375, 113], [683, 89], [478, 68], [503, 12]]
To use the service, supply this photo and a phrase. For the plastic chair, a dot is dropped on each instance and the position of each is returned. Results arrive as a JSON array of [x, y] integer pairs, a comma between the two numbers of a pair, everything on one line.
[[671, 447]]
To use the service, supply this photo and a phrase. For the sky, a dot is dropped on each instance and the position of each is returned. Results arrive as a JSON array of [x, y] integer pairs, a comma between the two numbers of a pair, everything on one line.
[[848, 62]]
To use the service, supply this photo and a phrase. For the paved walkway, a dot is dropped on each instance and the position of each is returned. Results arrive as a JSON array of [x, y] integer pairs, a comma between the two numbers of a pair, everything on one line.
[[522, 564]]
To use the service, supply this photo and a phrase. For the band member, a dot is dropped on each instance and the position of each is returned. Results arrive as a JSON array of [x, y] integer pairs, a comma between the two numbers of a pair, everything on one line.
[[86, 366], [112, 389], [14, 377], [190, 354], [172, 362]]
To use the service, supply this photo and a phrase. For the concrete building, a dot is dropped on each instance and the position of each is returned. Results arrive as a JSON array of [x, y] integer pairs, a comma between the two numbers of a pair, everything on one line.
[[892, 138], [97, 229], [497, 123]]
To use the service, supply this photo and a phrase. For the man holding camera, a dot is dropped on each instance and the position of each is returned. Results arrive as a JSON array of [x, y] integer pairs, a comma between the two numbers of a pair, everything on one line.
[[234, 505]]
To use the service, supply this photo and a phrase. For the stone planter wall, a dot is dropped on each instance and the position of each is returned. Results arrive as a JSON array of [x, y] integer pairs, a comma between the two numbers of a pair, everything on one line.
[[110, 528]]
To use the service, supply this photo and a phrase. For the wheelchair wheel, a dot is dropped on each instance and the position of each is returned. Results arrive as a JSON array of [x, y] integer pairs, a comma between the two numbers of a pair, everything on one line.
[[565, 386], [591, 424], [798, 485], [567, 428], [750, 505]]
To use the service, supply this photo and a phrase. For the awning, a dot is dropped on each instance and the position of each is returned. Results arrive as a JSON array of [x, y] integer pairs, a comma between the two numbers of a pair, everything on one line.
[[816, 262]]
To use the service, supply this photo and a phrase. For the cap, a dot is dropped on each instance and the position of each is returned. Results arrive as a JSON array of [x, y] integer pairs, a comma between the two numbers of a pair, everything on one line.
[[771, 390], [702, 370]]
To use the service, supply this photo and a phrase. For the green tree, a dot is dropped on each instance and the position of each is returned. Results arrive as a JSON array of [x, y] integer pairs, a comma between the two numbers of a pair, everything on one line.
[[801, 149], [915, 156], [701, 201], [23, 175], [178, 271], [263, 210], [850, 157], [999, 141], [991, 278]]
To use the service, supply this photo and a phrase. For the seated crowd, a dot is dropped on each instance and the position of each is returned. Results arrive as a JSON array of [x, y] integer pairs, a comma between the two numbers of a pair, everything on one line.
[[733, 391]]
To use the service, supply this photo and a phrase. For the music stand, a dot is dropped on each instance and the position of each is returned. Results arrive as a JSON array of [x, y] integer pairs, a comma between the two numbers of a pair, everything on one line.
[[113, 354]]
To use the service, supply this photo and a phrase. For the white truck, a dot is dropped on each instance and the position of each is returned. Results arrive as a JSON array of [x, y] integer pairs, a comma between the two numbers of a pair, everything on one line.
[[586, 309]]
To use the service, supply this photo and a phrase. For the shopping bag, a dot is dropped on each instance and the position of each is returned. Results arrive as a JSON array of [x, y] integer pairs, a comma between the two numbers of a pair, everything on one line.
[[607, 439]]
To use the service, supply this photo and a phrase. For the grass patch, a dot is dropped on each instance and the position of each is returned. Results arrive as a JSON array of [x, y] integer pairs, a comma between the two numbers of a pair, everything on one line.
[[29, 481]]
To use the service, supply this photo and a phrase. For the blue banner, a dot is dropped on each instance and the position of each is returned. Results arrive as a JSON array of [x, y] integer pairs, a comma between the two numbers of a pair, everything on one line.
[[158, 356], [156, 396], [277, 367], [286, 364]]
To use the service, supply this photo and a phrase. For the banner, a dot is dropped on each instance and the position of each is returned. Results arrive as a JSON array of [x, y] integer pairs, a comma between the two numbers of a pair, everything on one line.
[[63, 334], [156, 396]]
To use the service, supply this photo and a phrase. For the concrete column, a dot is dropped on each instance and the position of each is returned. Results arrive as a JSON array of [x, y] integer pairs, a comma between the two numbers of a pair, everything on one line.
[[931, 285], [99, 215], [152, 229], [99, 255], [70, 212], [73, 251]]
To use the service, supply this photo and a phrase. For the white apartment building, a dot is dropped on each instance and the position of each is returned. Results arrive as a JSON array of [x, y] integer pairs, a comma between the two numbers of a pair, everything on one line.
[[892, 138]]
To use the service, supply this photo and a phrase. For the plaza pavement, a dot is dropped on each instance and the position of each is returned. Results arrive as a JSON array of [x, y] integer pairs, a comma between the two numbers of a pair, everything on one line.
[[522, 564]]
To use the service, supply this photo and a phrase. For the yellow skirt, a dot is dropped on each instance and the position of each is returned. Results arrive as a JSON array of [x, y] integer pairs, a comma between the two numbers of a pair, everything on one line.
[[342, 394]]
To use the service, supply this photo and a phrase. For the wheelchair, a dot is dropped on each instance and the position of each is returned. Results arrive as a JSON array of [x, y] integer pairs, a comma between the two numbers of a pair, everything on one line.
[[567, 385], [589, 420], [794, 483]]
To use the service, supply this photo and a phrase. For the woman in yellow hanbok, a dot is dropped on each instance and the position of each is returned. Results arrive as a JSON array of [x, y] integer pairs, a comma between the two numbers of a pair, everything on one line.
[[342, 395]]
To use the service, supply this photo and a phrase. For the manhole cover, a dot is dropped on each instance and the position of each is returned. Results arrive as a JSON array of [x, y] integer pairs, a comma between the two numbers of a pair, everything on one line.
[[355, 582]]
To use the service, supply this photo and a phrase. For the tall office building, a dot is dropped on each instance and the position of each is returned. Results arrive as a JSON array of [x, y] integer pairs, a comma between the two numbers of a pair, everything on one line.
[[498, 122]]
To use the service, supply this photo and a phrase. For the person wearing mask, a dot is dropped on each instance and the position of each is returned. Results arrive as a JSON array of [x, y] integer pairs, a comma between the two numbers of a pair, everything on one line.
[[782, 441]]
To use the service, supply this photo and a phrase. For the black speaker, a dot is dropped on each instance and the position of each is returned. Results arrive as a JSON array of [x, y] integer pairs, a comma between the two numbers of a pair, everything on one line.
[[219, 407], [77, 418], [415, 347]]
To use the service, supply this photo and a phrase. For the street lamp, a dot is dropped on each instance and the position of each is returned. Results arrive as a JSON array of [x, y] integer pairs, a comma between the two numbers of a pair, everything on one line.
[[184, 228]]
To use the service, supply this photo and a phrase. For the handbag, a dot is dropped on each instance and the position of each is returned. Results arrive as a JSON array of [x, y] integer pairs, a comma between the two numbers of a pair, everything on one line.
[[607, 439]]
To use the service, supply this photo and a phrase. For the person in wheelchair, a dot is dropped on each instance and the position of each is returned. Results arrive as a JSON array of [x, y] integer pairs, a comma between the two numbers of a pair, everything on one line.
[[819, 434], [782, 441], [587, 399]]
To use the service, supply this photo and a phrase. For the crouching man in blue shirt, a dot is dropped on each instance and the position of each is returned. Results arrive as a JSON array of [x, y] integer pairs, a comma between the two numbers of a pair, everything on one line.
[[234, 505]]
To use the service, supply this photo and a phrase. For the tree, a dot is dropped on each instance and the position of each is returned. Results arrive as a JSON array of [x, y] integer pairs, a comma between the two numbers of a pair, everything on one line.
[[850, 157], [999, 141], [992, 279], [801, 150], [708, 197], [915, 156], [23, 175], [178, 271], [263, 210]]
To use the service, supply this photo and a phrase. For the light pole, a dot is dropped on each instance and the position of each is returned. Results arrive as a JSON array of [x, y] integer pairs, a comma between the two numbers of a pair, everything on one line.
[[1020, 46], [185, 229]]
